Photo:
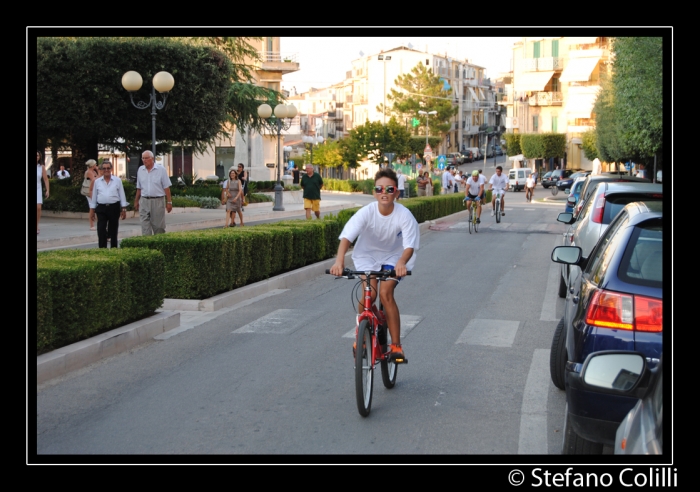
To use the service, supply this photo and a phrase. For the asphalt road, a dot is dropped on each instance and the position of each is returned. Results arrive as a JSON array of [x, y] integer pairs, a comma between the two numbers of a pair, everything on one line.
[[272, 381]]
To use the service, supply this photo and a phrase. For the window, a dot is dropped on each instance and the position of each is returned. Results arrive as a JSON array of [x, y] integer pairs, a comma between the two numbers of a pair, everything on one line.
[[224, 160], [555, 85], [427, 62], [555, 121], [555, 48], [536, 49], [535, 123], [604, 249]]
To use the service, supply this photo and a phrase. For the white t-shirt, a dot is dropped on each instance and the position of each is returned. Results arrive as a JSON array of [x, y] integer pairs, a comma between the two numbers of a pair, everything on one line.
[[499, 182], [447, 180], [473, 187], [382, 239], [401, 179], [530, 183]]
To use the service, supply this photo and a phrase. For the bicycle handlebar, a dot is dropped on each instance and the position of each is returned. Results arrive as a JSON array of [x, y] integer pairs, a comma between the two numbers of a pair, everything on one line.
[[347, 273]]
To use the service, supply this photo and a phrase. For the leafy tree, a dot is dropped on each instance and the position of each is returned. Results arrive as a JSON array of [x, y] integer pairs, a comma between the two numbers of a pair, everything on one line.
[[513, 143], [638, 87], [589, 145], [81, 102], [329, 154], [421, 90]]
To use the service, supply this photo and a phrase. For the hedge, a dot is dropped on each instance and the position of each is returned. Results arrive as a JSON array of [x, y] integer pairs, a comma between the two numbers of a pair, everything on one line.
[[85, 292]]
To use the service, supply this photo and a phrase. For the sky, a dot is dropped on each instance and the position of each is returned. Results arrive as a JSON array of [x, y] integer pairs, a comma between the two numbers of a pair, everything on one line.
[[323, 61]]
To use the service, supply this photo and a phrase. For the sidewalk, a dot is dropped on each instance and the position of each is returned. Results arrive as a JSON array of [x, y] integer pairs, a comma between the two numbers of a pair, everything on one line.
[[66, 229]]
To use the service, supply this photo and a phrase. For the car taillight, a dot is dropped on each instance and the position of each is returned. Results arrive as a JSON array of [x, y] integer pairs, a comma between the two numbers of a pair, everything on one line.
[[625, 312], [598, 209]]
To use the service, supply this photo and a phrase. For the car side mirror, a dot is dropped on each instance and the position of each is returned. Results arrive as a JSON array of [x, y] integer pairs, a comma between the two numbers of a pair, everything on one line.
[[567, 191], [621, 371], [569, 255], [566, 218]]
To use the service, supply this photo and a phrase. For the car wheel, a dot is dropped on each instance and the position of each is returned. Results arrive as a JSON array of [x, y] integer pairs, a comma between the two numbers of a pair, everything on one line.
[[562, 286], [545, 186], [557, 356], [575, 444]]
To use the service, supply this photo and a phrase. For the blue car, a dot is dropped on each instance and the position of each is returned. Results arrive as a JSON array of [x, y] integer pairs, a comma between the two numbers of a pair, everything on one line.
[[574, 194], [614, 303]]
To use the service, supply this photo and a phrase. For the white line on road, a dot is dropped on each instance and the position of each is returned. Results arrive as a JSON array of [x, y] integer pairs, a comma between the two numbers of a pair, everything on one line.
[[549, 304], [533, 414]]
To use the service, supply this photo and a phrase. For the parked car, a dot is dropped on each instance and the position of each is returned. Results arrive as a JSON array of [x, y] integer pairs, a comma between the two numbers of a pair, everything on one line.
[[574, 193], [556, 175], [601, 207], [592, 181], [546, 178], [614, 303], [476, 154], [498, 150], [642, 429], [467, 156], [454, 158], [566, 182]]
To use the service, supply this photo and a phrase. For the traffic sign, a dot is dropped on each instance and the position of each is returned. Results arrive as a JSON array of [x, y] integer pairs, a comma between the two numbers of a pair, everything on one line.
[[419, 166], [442, 160], [428, 150], [290, 165]]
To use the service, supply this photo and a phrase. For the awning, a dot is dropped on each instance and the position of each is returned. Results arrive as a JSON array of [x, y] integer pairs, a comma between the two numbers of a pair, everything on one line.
[[578, 69], [518, 157], [481, 93], [474, 96], [580, 105], [580, 40], [532, 81]]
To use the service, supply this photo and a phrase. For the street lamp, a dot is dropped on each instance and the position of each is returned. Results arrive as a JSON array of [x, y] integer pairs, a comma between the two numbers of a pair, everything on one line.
[[384, 59], [282, 112], [163, 82], [312, 141], [427, 123]]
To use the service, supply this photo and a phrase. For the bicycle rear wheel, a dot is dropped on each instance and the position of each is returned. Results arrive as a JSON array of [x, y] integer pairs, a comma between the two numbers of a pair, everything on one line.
[[389, 368], [364, 369]]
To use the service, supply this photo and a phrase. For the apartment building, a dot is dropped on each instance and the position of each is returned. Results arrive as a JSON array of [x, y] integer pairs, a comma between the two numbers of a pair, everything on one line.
[[553, 87]]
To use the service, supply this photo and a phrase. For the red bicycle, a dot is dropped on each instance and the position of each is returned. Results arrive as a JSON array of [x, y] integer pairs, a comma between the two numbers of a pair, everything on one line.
[[372, 339]]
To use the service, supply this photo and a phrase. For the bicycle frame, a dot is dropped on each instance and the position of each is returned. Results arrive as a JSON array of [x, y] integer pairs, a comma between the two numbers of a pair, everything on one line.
[[374, 315]]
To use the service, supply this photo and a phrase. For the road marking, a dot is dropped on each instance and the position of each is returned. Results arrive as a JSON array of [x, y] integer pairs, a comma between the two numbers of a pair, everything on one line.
[[551, 293], [192, 319], [491, 332], [279, 322], [408, 322], [533, 413]]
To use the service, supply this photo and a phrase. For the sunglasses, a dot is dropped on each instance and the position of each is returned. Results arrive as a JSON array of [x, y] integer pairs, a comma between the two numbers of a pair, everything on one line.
[[389, 189]]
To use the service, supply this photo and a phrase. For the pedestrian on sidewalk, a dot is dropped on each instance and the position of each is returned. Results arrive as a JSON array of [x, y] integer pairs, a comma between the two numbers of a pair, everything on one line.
[[295, 175], [40, 176], [312, 184], [447, 182], [91, 175], [401, 183], [109, 203], [152, 190], [232, 196], [422, 184], [63, 174], [243, 178]]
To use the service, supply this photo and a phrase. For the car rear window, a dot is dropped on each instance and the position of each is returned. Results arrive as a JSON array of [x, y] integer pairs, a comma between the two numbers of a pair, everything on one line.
[[615, 204], [642, 262]]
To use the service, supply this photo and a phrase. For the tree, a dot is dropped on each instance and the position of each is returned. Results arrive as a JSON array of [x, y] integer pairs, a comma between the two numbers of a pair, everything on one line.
[[81, 102], [513, 143], [421, 90], [589, 145], [638, 87], [329, 154]]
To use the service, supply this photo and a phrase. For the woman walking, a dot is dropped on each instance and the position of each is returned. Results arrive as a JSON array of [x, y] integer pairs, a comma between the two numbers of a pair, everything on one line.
[[421, 184], [91, 174], [40, 175], [232, 196]]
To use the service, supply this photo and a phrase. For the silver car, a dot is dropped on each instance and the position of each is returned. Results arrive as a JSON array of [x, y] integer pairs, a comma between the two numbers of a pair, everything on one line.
[[598, 210]]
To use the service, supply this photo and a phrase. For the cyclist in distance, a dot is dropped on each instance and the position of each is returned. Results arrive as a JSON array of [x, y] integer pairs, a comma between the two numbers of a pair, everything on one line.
[[499, 183], [473, 191], [387, 238]]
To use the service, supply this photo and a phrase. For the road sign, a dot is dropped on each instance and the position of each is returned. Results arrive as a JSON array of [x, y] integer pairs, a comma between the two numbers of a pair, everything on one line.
[[419, 166], [628, 165], [290, 165], [390, 156], [428, 150], [442, 160]]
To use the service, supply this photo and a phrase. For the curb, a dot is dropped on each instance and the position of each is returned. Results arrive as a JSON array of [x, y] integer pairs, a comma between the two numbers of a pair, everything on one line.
[[85, 352]]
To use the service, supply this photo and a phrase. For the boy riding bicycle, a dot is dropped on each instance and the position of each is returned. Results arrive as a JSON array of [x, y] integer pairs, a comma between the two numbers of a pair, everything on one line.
[[388, 239], [473, 191], [499, 183]]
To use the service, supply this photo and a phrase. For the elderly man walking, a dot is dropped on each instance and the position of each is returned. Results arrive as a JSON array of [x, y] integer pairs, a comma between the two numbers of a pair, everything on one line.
[[312, 183], [152, 195]]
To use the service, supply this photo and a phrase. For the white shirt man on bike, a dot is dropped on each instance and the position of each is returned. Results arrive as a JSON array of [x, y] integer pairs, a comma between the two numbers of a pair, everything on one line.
[[473, 191], [499, 184]]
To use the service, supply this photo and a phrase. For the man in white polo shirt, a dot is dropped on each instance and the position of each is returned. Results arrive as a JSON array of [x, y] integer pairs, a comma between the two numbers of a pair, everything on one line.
[[152, 195]]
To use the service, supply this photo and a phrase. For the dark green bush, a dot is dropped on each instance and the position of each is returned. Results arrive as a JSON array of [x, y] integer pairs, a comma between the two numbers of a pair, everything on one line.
[[85, 292]]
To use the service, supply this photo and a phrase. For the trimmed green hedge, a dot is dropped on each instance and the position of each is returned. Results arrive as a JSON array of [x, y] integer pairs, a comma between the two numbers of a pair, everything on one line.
[[85, 292]]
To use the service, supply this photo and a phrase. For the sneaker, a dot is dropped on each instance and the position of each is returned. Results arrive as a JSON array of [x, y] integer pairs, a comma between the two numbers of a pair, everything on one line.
[[478, 220], [503, 213], [492, 213], [396, 354]]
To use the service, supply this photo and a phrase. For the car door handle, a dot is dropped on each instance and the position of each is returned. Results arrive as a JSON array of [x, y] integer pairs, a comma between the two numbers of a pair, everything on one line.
[[574, 299]]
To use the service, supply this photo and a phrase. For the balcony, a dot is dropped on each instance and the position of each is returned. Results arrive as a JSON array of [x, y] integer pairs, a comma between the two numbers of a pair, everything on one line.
[[541, 64], [358, 99], [546, 99], [275, 61]]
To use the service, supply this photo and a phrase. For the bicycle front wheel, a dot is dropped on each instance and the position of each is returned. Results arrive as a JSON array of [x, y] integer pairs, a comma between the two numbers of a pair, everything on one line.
[[389, 368], [364, 369], [498, 210]]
